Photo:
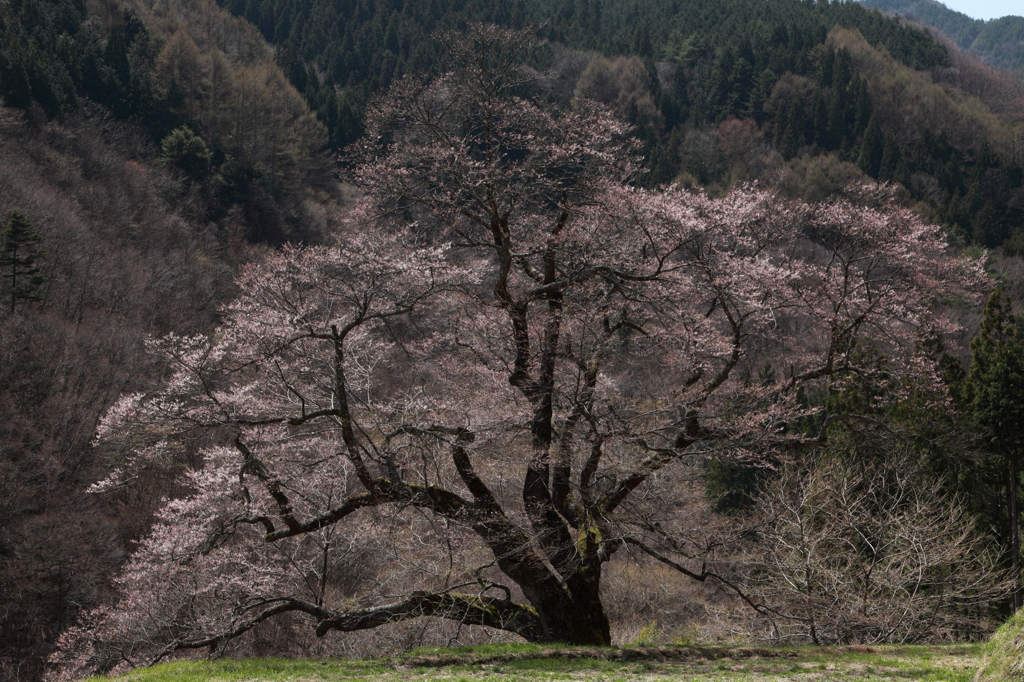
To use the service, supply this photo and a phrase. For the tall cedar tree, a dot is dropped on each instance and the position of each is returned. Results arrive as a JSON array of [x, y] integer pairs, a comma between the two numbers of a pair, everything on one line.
[[992, 392], [20, 253]]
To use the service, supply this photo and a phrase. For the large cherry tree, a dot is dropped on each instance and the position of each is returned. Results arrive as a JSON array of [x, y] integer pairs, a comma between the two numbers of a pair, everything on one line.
[[511, 341]]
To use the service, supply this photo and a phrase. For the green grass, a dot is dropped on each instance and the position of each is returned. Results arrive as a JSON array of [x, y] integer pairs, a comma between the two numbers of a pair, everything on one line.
[[533, 663], [268, 669], [561, 664], [487, 650], [1004, 653]]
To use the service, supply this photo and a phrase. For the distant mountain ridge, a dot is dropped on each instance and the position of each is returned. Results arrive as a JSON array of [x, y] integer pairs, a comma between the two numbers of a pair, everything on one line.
[[999, 42]]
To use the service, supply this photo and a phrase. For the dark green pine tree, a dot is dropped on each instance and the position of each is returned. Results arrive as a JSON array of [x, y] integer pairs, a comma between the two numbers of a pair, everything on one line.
[[819, 115], [789, 130], [890, 159], [183, 149], [842, 71], [116, 54], [836, 112], [642, 46], [862, 108], [870, 159], [14, 82], [985, 228], [20, 254], [827, 69], [994, 395]]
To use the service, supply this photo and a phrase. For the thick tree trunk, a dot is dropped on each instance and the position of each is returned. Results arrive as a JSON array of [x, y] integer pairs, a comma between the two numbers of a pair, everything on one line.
[[572, 613]]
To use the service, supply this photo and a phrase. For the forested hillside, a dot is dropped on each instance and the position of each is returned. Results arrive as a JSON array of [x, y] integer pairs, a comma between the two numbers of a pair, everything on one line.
[[695, 66], [136, 193], [999, 42], [192, 70], [736, 50], [153, 149]]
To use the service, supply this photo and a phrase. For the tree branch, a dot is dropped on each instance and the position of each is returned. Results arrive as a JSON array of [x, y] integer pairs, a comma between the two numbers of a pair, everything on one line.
[[700, 577], [493, 612]]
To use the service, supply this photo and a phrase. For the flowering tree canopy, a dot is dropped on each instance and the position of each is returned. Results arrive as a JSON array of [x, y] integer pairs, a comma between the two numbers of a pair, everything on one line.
[[507, 339]]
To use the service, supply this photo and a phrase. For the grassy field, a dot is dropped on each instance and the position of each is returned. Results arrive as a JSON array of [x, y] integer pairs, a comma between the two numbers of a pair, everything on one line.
[[528, 663]]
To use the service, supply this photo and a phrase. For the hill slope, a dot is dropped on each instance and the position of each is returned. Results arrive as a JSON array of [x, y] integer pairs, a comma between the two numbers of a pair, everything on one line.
[[999, 42], [134, 243], [680, 69]]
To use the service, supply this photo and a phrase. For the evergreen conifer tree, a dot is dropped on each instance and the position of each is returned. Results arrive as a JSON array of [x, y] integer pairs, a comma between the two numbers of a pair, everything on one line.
[[183, 149], [870, 159], [993, 393], [20, 253], [890, 159]]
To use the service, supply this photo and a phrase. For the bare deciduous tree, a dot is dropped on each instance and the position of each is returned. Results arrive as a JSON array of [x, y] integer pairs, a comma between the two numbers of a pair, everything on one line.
[[868, 553]]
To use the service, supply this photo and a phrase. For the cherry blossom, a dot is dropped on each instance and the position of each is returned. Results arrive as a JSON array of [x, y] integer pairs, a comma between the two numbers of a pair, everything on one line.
[[509, 339]]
